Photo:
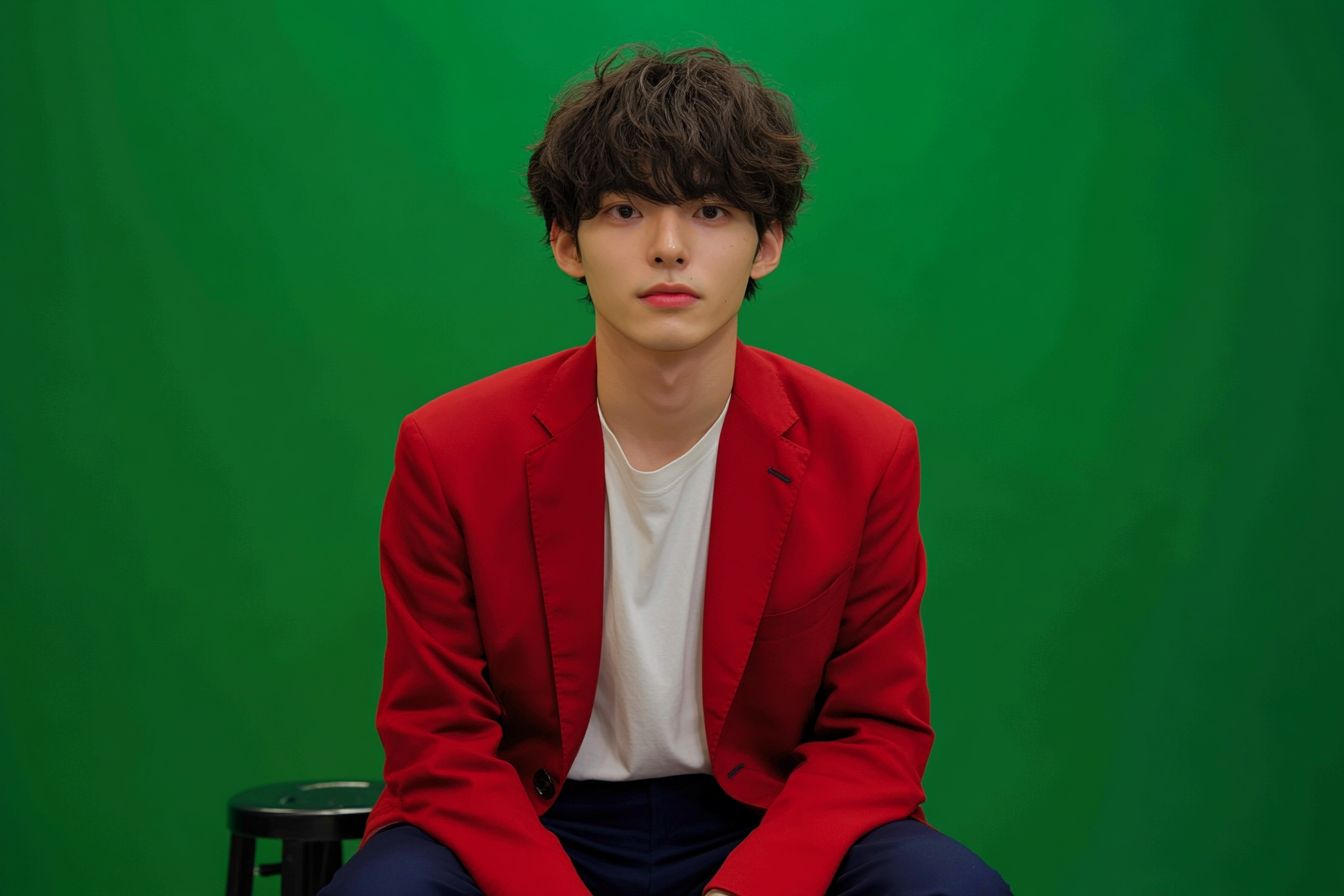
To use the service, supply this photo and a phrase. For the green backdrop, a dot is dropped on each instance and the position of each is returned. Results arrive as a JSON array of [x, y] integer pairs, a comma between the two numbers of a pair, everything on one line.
[[1095, 250]]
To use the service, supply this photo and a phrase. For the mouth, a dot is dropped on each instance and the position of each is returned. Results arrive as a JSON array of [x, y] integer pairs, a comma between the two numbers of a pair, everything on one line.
[[670, 295]]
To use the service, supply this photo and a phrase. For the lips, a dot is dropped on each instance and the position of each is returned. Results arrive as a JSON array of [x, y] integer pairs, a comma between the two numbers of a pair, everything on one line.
[[669, 299], [669, 295]]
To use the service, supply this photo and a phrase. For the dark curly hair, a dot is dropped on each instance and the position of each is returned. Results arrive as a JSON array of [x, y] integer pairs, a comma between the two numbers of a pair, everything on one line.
[[672, 127]]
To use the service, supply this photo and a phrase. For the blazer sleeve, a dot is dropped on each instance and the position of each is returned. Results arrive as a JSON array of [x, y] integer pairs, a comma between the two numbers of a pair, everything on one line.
[[871, 741], [438, 718]]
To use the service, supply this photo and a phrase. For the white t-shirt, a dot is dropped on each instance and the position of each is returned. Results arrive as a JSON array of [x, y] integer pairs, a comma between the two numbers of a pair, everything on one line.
[[648, 719]]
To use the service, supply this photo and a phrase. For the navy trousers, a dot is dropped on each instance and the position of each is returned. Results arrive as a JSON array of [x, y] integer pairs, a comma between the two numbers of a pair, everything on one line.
[[667, 837]]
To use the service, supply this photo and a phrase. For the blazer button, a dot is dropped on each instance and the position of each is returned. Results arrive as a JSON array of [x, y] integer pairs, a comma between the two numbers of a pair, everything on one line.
[[544, 784]]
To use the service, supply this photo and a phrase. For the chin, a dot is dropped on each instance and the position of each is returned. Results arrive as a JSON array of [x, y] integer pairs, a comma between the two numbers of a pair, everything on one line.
[[662, 332], [669, 342]]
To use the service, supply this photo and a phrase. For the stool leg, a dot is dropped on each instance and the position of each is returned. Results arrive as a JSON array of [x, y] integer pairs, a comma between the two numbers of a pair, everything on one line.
[[242, 853], [293, 868], [307, 867], [327, 864]]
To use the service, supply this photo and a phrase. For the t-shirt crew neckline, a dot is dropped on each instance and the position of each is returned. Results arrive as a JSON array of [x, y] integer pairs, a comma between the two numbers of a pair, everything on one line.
[[656, 482]]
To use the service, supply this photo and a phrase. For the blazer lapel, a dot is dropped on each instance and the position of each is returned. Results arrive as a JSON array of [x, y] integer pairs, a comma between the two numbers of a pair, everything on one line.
[[566, 488], [751, 510]]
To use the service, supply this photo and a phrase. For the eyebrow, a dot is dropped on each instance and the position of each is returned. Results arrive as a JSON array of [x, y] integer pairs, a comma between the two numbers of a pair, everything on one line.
[[610, 196]]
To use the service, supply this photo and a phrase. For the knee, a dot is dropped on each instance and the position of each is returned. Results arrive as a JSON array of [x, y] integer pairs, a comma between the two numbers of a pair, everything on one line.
[[909, 858], [972, 878], [402, 860]]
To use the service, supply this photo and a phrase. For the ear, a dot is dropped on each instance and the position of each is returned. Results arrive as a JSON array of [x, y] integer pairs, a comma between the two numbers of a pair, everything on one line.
[[565, 248], [767, 254]]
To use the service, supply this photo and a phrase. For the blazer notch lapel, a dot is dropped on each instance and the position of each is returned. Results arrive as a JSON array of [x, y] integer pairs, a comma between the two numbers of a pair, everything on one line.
[[572, 390], [751, 511], [566, 491]]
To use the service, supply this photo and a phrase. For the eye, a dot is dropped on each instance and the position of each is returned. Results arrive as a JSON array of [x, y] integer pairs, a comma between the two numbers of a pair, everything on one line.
[[624, 211], [713, 212]]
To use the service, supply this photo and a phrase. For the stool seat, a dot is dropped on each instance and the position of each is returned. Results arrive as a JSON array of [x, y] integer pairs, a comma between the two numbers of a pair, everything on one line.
[[311, 817], [304, 810]]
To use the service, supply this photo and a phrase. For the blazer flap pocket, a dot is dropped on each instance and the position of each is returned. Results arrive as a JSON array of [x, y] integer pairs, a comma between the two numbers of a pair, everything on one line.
[[775, 626]]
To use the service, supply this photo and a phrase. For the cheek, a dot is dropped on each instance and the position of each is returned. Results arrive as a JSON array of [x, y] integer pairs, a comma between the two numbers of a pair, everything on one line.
[[609, 259], [740, 250], [730, 261]]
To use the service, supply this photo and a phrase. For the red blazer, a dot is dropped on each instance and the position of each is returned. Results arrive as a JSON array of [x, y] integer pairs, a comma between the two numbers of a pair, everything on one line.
[[815, 698]]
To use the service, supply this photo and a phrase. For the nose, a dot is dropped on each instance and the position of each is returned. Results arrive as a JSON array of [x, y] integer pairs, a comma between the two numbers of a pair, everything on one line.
[[668, 244]]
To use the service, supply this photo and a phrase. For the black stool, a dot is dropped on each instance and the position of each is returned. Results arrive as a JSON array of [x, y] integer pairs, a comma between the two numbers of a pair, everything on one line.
[[311, 817]]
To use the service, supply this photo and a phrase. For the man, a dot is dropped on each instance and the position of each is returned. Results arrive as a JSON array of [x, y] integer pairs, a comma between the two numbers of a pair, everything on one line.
[[653, 602]]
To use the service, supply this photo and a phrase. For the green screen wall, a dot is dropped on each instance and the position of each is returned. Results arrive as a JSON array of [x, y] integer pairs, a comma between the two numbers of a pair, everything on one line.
[[1095, 250]]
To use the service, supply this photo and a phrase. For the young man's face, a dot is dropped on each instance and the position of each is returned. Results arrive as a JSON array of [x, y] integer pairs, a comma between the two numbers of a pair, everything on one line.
[[666, 277]]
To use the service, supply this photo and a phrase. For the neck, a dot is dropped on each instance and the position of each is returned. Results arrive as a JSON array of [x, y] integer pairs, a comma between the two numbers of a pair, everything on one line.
[[658, 404]]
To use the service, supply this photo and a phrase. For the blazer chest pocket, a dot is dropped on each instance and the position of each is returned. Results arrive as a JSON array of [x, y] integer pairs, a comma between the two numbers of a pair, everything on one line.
[[776, 626]]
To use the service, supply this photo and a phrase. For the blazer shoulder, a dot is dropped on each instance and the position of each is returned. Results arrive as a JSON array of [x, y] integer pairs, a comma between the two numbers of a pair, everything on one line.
[[827, 405], [497, 400]]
